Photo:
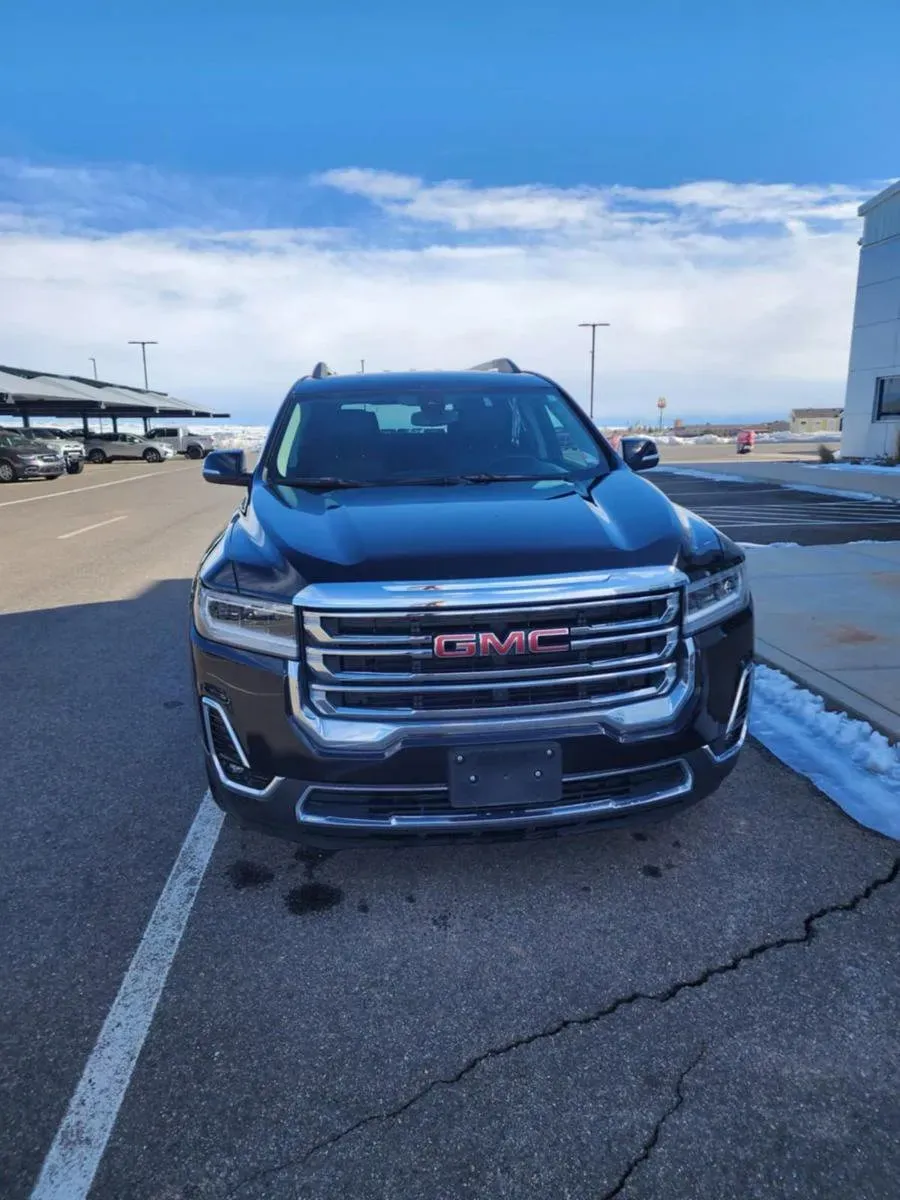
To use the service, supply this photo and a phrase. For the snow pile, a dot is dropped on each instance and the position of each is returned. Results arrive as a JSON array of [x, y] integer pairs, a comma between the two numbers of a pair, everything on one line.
[[845, 758], [715, 439], [238, 437], [787, 436]]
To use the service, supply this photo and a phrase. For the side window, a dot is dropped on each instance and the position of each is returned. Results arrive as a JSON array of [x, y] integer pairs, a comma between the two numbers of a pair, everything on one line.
[[288, 440], [573, 441], [394, 418]]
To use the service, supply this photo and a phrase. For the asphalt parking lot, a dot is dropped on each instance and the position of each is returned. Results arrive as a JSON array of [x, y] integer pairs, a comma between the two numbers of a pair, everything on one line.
[[768, 512], [706, 1007]]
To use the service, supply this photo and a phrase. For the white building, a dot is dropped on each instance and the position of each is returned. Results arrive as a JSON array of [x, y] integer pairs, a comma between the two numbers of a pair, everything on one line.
[[872, 404], [815, 420]]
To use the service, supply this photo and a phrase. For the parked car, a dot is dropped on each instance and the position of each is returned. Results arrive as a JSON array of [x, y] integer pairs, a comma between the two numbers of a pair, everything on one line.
[[107, 447], [433, 615], [182, 441], [25, 458], [71, 449]]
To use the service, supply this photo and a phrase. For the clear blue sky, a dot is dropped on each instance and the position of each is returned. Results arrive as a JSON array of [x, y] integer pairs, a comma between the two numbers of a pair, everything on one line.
[[650, 92], [257, 184]]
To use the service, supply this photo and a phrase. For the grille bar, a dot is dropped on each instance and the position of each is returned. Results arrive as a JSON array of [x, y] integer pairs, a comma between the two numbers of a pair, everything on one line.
[[663, 608], [317, 661], [381, 664]]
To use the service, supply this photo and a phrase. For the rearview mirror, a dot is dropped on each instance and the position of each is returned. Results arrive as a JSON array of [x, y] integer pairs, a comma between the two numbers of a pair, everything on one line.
[[639, 453], [226, 466]]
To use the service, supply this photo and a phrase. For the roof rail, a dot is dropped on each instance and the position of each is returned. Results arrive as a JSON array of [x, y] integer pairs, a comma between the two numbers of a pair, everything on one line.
[[505, 366], [321, 371]]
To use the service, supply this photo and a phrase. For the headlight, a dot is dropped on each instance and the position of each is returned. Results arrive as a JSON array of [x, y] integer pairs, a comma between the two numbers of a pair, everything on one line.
[[259, 625], [715, 597]]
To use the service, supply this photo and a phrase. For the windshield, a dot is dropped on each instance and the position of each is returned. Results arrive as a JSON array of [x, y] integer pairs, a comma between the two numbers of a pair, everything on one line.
[[12, 439], [434, 436]]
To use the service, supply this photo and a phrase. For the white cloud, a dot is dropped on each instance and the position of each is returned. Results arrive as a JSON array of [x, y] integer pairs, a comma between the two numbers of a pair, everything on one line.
[[721, 320]]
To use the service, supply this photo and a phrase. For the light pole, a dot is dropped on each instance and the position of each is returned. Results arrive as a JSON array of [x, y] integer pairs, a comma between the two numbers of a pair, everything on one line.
[[94, 361], [593, 326], [362, 366], [143, 346]]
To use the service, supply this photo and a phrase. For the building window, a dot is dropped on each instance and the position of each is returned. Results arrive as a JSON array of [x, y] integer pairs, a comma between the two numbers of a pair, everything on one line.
[[887, 397]]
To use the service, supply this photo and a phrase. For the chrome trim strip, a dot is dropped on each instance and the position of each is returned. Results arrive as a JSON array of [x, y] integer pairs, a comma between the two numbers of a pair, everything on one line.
[[552, 590], [744, 684], [379, 738], [481, 818], [315, 631], [318, 693], [208, 704], [496, 677]]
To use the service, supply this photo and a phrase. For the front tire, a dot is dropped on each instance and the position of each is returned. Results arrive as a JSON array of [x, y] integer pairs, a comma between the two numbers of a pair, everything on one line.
[[7, 473], [75, 467], [97, 456], [152, 456], [194, 452]]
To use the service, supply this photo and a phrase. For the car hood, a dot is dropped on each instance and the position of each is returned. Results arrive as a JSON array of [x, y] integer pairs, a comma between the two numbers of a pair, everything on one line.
[[31, 448], [284, 538]]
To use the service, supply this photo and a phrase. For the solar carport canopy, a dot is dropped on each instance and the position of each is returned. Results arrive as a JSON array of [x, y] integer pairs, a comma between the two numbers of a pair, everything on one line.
[[29, 394]]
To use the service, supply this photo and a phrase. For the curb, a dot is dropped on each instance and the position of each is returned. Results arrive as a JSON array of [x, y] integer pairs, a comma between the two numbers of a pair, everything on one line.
[[838, 696]]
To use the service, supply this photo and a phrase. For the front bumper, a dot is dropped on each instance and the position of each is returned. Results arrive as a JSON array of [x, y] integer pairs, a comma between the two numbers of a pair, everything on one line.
[[294, 778], [40, 470]]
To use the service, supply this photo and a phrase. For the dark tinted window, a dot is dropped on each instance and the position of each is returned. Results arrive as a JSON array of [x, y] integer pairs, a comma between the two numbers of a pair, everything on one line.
[[887, 397], [393, 437]]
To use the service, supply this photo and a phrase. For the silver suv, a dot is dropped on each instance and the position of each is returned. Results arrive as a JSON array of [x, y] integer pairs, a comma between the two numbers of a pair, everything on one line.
[[69, 447], [108, 447]]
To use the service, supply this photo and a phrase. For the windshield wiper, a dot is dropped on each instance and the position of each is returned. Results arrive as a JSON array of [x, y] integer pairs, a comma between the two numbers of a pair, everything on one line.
[[472, 477], [319, 482], [489, 477]]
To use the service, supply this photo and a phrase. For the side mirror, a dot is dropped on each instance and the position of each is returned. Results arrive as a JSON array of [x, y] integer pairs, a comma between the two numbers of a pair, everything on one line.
[[226, 466], [639, 453]]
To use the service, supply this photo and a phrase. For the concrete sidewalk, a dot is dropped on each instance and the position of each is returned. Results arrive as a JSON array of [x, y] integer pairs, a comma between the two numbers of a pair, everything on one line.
[[829, 616], [884, 483]]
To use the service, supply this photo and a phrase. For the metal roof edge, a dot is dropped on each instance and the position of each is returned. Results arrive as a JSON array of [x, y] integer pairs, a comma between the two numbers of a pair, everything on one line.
[[892, 189]]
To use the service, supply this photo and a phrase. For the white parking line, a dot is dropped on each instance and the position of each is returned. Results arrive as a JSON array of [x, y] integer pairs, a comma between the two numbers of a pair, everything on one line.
[[87, 528], [92, 487], [73, 1159]]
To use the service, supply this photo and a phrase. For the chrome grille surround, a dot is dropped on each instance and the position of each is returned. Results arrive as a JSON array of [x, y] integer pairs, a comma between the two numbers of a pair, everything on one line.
[[368, 661]]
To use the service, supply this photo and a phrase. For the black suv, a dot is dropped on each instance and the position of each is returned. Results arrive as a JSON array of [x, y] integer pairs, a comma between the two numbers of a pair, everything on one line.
[[446, 607]]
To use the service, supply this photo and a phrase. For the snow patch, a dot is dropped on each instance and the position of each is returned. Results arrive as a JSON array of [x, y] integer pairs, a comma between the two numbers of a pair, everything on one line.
[[839, 492], [845, 758], [238, 437], [714, 439], [864, 468]]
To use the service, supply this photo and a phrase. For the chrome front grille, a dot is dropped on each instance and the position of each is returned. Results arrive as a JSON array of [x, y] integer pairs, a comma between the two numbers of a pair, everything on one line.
[[382, 663]]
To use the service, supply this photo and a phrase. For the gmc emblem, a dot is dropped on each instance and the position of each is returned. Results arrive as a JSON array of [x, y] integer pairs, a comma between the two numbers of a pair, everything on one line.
[[519, 641]]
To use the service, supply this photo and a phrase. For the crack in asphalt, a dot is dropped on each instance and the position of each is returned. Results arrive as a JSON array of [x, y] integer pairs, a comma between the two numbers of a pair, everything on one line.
[[648, 1146], [661, 997]]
